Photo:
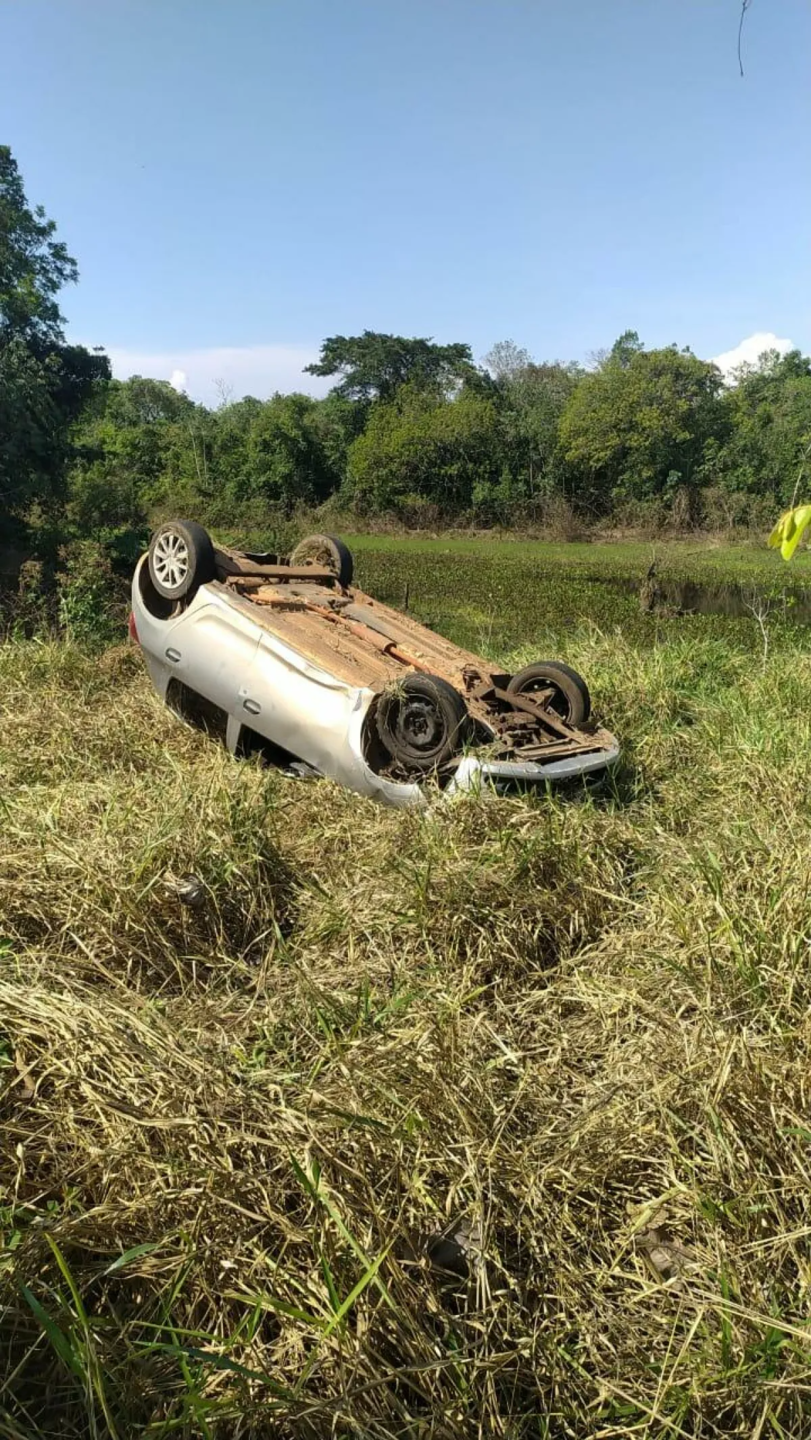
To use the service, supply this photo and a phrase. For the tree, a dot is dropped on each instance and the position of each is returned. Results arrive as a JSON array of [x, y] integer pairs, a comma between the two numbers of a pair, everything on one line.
[[33, 266], [532, 400], [506, 360], [142, 401], [231, 462], [625, 347], [41, 394], [43, 382], [29, 420], [637, 428], [421, 449], [289, 464], [768, 409], [136, 443], [375, 366]]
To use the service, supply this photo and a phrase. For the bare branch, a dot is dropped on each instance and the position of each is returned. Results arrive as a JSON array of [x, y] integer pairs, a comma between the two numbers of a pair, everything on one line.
[[800, 473], [760, 609], [744, 7]]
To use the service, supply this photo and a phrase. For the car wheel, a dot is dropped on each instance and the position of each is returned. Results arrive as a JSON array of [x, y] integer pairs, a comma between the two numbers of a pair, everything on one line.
[[422, 722], [181, 557], [557, 686], [329, 551]]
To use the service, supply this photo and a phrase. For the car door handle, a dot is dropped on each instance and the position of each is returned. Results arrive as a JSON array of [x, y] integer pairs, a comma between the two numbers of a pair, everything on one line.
[[173, 655], [252, 706]]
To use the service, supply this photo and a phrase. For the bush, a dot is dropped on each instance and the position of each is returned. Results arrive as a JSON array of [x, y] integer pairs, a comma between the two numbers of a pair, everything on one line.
[[91, 597], [32, 610], [727, 510]]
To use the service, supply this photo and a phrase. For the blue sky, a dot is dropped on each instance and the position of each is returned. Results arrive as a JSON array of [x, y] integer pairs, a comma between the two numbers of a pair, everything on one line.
[[240, 178]]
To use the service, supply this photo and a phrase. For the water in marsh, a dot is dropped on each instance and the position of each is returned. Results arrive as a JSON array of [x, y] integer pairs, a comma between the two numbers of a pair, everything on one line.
[[735, 601], [500, 604]]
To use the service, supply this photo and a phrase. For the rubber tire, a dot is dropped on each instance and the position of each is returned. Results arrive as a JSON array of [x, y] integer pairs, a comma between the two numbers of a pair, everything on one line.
[[334, 554], [572, 702], [202, 562], [449, 706]]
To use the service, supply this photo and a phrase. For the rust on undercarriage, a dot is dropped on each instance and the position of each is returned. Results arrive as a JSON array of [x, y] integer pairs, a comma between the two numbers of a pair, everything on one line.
[[366, 643]]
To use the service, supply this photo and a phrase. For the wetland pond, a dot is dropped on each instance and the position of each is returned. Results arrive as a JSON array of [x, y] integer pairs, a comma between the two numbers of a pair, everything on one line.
[[504, 599]]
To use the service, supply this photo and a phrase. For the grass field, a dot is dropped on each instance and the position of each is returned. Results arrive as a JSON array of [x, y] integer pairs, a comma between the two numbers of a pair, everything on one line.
[[574, 1030]]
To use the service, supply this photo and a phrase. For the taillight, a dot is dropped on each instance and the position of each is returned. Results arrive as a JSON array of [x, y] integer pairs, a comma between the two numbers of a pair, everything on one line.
[[132, 630]]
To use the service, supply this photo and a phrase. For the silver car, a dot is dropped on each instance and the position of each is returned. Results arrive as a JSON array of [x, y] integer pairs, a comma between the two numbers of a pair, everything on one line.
[[284, 656]]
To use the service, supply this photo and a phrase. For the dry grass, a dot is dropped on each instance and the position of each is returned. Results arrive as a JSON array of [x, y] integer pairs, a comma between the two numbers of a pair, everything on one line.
[[577, 1029]]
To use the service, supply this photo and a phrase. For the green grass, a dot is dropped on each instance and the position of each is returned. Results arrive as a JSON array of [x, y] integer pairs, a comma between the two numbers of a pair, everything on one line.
[[577, 1025]]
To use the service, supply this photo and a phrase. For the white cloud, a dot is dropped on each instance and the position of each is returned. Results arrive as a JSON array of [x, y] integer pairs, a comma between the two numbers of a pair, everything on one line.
[[234, 371], [750, 350]]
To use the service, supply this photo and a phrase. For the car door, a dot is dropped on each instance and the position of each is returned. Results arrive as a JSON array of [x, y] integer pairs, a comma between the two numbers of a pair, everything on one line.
[[211, 649], [300, 706]]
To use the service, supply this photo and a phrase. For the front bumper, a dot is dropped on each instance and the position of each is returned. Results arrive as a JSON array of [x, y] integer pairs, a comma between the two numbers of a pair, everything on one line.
[[472, 773]]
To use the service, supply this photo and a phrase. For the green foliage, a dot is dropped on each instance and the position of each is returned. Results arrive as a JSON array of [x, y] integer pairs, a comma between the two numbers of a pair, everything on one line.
[[411, 428], [87, 594], [288, 457], [28, 417], [625, 347], [498, 596], [768, 433], [230, 431], [33, 266], [41, 392], [374, 366], [435, 450], [640, 438], [139, 442], [638, 426], [531, 400], [44, 383]]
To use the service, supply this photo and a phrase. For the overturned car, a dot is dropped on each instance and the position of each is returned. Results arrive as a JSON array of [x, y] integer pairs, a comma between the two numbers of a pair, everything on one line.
[[284, 656]]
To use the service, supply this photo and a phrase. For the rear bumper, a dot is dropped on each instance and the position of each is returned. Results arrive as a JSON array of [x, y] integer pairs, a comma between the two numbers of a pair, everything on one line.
[[471, 772]]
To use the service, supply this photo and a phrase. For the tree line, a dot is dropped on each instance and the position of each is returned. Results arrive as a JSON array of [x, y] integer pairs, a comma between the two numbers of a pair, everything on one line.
[[411, 430]]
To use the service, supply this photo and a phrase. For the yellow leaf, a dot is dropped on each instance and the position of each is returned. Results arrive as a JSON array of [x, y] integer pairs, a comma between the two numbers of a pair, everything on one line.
[[789, 530], [776, 537]]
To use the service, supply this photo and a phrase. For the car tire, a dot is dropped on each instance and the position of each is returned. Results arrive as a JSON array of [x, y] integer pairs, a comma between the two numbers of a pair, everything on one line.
[[569, 696], [329, 551], [422, 722], [181, 558]]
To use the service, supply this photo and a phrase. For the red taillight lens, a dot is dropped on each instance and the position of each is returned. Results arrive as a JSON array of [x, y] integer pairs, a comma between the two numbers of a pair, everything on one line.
[[133, 633]]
